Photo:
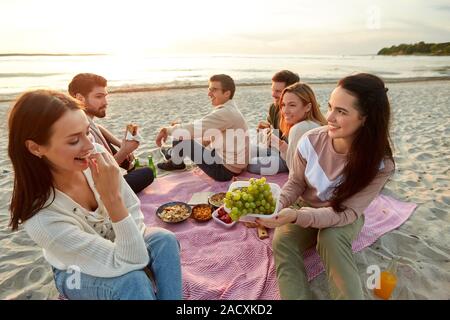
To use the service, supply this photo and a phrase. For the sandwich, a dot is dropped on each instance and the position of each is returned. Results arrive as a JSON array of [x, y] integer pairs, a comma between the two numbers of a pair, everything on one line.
[[132, 128]]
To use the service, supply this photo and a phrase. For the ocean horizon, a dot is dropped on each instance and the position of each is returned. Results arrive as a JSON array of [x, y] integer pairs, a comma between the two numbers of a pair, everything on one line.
[[20, 72]]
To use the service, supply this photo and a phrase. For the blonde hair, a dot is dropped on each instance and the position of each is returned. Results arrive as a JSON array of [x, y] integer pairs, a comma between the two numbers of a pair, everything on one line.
[[306, 94]]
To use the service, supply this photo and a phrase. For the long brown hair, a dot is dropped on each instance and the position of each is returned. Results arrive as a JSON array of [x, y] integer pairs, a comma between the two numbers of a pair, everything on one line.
[[32, 118], [372, 143], [306, 95]]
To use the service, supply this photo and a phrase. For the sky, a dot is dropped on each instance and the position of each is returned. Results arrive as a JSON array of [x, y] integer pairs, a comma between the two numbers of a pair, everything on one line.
[[219, 27]]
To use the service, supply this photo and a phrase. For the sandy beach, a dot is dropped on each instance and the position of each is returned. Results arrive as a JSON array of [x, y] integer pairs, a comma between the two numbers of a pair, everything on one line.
[[421, 137]]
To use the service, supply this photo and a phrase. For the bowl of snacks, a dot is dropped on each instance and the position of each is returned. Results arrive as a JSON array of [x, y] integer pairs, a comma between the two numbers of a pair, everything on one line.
[[216, 200], [174, 212], [223, 218], [248, 200], [202, 212]]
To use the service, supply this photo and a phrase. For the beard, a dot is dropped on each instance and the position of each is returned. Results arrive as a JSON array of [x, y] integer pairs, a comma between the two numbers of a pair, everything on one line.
[[99, 113]]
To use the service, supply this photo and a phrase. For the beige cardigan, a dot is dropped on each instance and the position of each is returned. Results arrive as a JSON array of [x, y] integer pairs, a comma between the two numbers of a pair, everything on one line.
[[223, 118]]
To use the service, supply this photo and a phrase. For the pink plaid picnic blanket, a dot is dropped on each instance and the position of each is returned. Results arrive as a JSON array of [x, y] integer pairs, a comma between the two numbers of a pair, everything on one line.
[[222, 263]]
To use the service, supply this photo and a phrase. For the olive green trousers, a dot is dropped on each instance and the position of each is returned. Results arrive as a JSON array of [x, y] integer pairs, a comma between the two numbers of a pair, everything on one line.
[[334, 246]]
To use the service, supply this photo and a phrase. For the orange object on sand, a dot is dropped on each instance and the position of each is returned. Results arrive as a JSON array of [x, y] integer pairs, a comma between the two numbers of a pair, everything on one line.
[[388, 281]]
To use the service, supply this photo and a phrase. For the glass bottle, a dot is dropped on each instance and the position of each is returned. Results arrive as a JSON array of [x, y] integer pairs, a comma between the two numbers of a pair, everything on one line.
[[137, 164], [151, 165], [388, 281]]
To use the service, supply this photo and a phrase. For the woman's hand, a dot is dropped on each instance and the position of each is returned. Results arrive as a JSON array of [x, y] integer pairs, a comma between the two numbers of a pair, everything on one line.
[[106, 176], [285, 216]]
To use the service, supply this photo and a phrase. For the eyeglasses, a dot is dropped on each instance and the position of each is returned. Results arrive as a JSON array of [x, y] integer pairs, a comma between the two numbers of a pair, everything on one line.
[[214, 89]]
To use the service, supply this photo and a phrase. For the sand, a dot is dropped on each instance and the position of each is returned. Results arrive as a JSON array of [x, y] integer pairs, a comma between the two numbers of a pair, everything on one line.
[[421, 136]]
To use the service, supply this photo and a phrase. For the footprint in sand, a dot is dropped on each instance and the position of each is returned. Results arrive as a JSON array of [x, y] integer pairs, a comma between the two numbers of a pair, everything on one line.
[[424, 156], [441, 214], [446, 200]]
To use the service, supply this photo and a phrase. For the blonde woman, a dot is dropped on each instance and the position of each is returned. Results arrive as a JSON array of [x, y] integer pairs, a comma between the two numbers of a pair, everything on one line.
[[299, 113]]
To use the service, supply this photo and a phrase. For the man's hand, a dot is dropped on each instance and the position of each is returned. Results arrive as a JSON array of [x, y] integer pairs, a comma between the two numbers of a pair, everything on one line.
[[285, 216], [161, 137], [263, 125], [128, 146], [277, 143]]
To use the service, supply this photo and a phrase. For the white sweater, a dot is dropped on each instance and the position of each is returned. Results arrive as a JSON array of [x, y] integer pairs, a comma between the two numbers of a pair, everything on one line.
[[68, 240]]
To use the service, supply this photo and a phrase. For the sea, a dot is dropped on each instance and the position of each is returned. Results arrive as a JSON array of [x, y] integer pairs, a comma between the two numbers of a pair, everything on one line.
[[130, 73]]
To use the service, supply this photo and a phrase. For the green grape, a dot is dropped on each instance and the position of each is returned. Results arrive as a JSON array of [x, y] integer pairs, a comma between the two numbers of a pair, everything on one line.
[[267, 206], [272, 209], [266, 187], [250, 198], [258, 203], [234, 216], [247, 205], [244, 196], [229, 195], [263, 202], [262, 209], [234, 210], [260, 196], [238, 204], [236, 196], [263, 179], [253, 205], [244, 212]]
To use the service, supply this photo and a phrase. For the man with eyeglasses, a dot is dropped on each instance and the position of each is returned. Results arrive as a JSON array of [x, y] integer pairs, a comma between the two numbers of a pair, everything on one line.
[[217, 143]]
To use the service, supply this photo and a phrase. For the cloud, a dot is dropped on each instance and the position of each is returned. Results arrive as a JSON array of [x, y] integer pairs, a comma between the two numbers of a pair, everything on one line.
[[441, 7]]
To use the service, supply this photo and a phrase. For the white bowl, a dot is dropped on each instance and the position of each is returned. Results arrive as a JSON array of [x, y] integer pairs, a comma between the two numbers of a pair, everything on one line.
[[274, 188], [215, 216]]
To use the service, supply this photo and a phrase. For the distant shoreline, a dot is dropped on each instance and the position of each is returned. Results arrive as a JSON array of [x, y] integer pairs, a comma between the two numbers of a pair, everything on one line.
[[138, 89], [51, 54], [417, 49]]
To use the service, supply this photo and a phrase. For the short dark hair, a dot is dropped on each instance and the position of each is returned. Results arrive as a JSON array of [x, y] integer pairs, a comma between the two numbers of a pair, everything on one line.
[[286, 76], [84, 83], [226, 81]]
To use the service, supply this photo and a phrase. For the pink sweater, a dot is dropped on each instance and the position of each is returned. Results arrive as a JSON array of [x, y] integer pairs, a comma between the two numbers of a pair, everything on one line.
[[317, 169]]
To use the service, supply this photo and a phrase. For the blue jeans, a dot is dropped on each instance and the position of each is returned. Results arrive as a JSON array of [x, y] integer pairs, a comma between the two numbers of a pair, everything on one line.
[[208, 161], [266, 162], [164, 253]]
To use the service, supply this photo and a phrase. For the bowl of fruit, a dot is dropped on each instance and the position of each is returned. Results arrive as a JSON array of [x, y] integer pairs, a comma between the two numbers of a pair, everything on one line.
[[223, 218], [248, 200]]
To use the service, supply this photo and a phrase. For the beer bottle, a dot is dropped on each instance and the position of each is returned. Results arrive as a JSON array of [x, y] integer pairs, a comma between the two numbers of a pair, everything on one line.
[[137, 164], [151, 165]]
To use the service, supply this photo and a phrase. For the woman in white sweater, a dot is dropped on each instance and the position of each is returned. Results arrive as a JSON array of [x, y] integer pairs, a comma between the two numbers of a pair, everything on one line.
[[299, 113], [77, 207]]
